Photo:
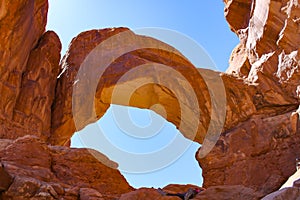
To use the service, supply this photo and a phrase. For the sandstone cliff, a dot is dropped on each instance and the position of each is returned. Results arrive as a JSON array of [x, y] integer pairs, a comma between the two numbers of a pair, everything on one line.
[[261, 150]]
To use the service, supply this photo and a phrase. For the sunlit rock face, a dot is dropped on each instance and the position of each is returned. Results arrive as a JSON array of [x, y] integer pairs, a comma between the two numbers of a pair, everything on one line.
[[268, 52], [140, 62], [260, 152], [260, 138], [152, 62]]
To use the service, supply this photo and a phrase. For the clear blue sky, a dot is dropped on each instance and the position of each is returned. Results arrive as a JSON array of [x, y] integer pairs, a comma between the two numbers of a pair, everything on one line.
[[202, 21]]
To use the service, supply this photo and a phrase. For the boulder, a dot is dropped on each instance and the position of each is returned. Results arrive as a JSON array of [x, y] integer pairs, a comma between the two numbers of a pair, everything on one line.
[[286, 193], [146, 193], [57, 172], [230, 192]]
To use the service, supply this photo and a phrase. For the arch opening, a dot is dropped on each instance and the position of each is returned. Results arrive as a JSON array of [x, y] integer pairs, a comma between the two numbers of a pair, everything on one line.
[[138, 143]]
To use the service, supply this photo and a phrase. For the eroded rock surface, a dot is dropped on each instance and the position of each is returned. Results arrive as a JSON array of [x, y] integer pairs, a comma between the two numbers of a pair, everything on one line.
[[6, 179], [22, 25], [41, 171], [260, 151], [231, 192], [268, 53], [131, 52], [146, 193], [286, 193], [29, 61]]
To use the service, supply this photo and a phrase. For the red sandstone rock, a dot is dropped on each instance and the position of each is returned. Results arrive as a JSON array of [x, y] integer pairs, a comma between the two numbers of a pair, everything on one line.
[[259, 152], [5, 180], [29, 66], [237, 13], [22, 24], [33, 107], [55, 172], [243, 98], [286, 193], [146, 193], [232, 192], [24, 17], [175, 188], [62, 119], [90, 194], [269, 42]]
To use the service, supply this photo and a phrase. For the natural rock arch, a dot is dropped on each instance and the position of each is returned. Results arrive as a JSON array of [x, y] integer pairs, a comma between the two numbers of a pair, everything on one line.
[[204, 83], [144, 88]]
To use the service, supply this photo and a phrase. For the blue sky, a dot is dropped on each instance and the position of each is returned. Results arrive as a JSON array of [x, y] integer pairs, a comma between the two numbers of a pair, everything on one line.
[[202, 21]]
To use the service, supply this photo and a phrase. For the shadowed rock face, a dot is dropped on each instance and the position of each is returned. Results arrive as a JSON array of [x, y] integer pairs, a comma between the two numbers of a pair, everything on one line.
[[49, 101], [28, 68], [6, 179], [286, 193]]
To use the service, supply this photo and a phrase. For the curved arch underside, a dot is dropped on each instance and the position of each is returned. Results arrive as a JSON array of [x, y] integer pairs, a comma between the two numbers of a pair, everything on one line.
[[116, 66], [160, 79]]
